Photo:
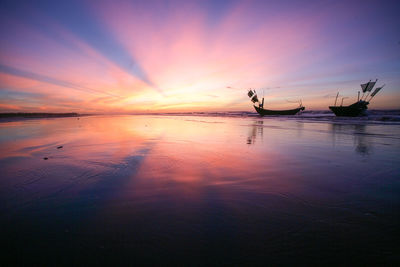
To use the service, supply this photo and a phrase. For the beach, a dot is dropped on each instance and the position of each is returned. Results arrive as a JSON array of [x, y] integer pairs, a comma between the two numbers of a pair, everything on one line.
[[200, 190]]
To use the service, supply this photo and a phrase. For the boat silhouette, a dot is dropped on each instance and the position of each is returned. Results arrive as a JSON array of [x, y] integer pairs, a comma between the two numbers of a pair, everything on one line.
[[358, 108], [269, 112], [266, 112], [353, 110]]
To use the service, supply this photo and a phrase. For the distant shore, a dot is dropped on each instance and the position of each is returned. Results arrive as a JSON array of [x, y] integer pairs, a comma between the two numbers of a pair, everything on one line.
[[7, 117], [37, 115]]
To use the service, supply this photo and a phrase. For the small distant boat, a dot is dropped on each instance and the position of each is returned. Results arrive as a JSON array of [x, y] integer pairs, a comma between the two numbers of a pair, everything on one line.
[[268, 112], [358, 108]]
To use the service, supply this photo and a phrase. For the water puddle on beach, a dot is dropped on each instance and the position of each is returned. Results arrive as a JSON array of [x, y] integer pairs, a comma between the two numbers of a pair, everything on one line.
[[193, 189]]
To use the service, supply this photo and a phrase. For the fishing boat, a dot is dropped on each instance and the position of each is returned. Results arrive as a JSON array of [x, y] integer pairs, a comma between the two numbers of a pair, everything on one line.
[[268, 112], [353, 110], [360, 107]]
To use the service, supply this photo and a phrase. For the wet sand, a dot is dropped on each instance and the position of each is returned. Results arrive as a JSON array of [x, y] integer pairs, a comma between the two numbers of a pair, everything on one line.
[[199, 190]]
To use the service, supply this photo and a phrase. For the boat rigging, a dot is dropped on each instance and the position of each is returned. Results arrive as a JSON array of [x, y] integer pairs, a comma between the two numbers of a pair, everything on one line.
[[358, 108]]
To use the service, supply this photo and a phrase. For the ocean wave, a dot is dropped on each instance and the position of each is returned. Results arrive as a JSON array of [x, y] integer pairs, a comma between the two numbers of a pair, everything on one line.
[[372, 116]]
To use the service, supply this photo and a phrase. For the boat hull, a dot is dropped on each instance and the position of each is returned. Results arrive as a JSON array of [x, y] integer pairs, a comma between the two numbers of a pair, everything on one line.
[[354, 110], [268, 112]]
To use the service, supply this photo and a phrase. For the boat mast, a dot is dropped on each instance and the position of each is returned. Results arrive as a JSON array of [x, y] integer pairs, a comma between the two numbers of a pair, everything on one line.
[[342, 100], [262, 105], [336, 98]]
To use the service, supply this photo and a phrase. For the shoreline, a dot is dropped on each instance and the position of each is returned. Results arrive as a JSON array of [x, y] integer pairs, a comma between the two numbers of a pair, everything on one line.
[[374, 116], [21, 116], [37, 115]]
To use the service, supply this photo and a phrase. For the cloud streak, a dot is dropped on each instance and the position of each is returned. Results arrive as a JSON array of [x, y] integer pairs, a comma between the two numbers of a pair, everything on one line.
[[50, 80]]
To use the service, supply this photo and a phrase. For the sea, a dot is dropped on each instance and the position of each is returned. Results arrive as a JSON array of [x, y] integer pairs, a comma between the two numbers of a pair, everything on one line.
[[201, 189]]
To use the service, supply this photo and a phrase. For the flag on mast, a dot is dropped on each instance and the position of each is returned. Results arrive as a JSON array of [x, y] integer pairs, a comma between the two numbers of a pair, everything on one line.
[[253, 95], [364, 87], [370, 86], [254, 99], [376, 91]]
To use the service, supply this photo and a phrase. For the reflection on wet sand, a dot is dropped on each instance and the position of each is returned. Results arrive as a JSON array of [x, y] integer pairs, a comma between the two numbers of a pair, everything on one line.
[[165, 189], [362, 143], [257, 129]]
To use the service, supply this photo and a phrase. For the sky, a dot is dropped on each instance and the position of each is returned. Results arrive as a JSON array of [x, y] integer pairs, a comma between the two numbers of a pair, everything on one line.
[[187, 56]]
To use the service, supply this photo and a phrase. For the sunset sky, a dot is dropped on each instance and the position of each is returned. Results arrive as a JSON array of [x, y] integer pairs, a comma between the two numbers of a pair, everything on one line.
[[173, 56]]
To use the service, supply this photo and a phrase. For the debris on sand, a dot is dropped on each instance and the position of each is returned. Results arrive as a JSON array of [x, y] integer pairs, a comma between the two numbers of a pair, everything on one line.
[[45, 158], [59, 147]]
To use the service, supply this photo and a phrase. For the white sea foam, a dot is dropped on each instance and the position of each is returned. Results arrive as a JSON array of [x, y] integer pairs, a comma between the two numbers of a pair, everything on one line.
[[372, 116]]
